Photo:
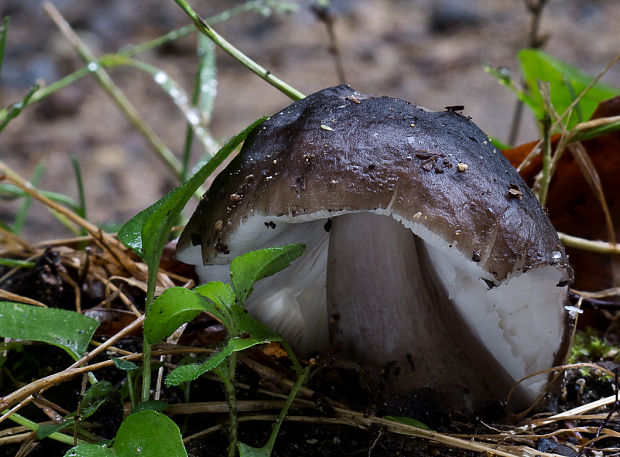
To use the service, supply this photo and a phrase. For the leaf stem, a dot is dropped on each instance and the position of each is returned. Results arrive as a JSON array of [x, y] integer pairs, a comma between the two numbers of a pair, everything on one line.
[[146, 349], [228, 378], [284, 411]]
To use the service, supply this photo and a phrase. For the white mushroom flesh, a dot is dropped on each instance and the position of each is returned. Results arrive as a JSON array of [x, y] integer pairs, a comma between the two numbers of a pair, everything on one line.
[[512, 320]]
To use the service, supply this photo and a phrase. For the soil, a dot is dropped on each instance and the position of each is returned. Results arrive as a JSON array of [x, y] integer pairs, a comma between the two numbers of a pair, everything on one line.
[[429, 52]]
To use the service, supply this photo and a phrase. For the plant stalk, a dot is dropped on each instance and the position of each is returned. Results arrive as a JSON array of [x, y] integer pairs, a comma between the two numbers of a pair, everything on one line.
[[146, 349], [231, 397], [265, 74]]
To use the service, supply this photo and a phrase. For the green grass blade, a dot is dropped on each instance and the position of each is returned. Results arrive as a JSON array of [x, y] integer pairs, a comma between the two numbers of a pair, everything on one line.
[[16, 263], [20, 217], [11, 192], [81, 210], [3, 33], [203, 96]]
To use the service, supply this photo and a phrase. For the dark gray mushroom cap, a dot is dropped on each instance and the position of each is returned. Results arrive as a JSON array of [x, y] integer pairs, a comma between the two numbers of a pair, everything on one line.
[[338, 153], [338, 150]]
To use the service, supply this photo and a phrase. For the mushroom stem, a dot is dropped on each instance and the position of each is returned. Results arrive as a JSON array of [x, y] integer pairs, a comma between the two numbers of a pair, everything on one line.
[[378, 271]]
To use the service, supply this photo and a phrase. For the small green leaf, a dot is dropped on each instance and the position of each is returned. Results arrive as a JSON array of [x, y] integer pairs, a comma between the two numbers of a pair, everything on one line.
[[245, 450], [90, 450], [221, 294], [188, 373], [246, 324], [124, 365], [95, 396], [46, 430], [408, 421], [245, 270], [170, 310], [66, 329], [144, 434], [566, 82]]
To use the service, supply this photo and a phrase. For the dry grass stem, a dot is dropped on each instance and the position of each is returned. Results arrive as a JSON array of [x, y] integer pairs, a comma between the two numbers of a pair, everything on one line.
[[602, 247], [587, 125], [599, 294], [19, 298]]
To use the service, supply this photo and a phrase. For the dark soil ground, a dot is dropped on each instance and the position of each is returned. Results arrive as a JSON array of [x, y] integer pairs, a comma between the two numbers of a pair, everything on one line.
[[429, 52]]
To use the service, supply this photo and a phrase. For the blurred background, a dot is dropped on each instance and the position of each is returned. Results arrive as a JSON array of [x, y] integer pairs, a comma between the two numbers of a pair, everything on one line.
[[429, 52]]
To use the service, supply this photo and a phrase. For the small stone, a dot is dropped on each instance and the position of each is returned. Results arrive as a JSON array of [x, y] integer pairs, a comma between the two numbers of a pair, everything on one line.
[[462, 166]]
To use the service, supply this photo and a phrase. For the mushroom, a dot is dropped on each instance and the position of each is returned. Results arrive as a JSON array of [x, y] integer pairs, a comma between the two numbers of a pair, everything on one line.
[[429, 261]]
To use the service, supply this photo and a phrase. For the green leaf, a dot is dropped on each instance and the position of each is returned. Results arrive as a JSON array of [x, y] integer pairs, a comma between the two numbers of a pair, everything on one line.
[[95, 396], [566, 82], [219, 293], [408, 421], [170, 310], [46, 430], [147, 232], [66, 329], [149, 434], [124, 365], [91, 450], [188, 373], [245, 450], [144, 434], [245, 270], [246, 324], [499, 144]]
